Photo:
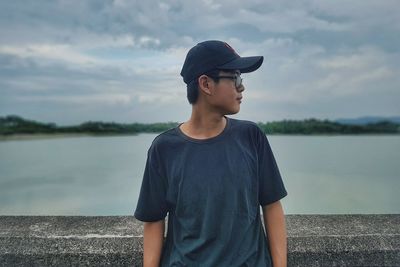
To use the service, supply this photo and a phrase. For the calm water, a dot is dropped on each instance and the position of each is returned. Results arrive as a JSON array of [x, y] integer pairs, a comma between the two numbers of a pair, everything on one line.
[[102, 175]]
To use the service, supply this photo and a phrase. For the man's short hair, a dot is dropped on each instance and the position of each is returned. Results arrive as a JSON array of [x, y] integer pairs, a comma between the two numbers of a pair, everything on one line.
[[193, 91]]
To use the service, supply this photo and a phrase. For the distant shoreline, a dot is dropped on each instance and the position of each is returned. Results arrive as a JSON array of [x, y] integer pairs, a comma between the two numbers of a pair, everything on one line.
[[39, 136], [16, 128], [17, 137]]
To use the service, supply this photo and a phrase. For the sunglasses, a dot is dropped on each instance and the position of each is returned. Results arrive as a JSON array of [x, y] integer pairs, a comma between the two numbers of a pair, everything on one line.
[[238, 80]]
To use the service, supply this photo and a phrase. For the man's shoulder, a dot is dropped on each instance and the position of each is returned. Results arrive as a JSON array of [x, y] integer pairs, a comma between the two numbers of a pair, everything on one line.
[[245, 124], [165, 138]]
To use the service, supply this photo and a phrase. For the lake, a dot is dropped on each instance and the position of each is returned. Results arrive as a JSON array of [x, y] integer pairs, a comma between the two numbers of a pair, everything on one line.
[[85, 175]]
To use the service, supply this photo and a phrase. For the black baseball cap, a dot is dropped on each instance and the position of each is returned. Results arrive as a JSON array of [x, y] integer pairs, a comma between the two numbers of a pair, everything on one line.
[[214, 54]]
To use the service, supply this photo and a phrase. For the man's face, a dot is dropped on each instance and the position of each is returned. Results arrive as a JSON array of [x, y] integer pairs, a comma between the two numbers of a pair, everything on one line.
[[226, 97]]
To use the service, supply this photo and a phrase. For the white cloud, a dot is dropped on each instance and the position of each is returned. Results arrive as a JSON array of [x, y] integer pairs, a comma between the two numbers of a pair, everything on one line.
[[64, 53], [125, 54], [289, 21], [94, 99]]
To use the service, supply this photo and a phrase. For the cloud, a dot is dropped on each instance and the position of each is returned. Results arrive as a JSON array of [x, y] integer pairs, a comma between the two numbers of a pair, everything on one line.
[[97, 99], [124, 57], [49, 52]]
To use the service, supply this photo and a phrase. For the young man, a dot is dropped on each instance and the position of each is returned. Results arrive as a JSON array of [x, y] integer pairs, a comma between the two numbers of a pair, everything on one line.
[[212, 174]]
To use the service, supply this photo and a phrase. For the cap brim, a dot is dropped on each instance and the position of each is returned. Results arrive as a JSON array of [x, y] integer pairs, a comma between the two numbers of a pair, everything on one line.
[[244, 64]]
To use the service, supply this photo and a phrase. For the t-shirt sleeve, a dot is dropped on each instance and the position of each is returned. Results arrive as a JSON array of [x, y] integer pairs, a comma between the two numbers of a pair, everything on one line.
[[152, 204], [271, 187]]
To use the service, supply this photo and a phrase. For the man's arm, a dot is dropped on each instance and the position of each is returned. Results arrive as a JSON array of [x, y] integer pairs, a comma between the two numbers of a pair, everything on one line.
[[153, 239], [274, 221]]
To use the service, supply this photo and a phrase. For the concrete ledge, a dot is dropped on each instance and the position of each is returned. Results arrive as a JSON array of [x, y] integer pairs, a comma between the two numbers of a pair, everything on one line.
[[313, 240], [344, 240]]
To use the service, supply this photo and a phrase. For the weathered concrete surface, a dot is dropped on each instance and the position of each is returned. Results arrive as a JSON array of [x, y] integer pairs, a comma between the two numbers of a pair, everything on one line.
[[70, 241], [344, 240], [313, 240]]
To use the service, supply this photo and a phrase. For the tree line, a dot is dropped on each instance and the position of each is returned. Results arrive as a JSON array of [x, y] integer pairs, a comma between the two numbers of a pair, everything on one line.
[[315, 126], [13, 124]]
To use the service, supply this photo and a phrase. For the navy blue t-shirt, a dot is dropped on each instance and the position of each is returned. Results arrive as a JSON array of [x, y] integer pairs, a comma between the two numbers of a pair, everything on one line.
[[212, 190]]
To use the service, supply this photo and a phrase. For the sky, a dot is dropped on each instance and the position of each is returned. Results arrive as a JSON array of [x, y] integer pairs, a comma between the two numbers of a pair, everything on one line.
[[73, 61]]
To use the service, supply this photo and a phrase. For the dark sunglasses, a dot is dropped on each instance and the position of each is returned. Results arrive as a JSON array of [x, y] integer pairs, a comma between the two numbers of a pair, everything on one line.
[[238, 80]]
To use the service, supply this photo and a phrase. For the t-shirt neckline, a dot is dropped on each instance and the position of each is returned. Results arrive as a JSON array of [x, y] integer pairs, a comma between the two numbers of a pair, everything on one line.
[[207, 140]]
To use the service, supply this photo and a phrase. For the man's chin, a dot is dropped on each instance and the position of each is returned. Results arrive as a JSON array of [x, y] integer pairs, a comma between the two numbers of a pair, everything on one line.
[[232, 112]]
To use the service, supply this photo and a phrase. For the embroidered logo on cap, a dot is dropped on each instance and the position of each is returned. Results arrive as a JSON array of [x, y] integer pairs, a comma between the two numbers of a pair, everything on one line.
[[230, 48]]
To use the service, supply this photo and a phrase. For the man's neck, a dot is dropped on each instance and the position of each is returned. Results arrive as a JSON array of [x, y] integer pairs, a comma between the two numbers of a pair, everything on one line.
[[204, 126]]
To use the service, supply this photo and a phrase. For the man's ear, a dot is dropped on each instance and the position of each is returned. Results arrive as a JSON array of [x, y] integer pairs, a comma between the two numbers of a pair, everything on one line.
[[204, 85]]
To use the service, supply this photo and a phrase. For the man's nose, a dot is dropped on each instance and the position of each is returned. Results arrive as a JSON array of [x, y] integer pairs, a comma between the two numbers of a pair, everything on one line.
[[241, 88]]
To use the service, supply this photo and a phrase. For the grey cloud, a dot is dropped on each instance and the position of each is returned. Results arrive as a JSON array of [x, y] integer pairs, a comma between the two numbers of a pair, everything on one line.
[[297, 38], [68, 21]]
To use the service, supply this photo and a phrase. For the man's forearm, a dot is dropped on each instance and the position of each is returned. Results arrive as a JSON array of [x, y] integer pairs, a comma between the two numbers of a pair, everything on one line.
[[274, 221], [153, 239]]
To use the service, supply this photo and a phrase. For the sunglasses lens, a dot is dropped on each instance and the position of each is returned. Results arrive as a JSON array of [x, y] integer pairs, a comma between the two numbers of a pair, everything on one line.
[[238, 81]]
